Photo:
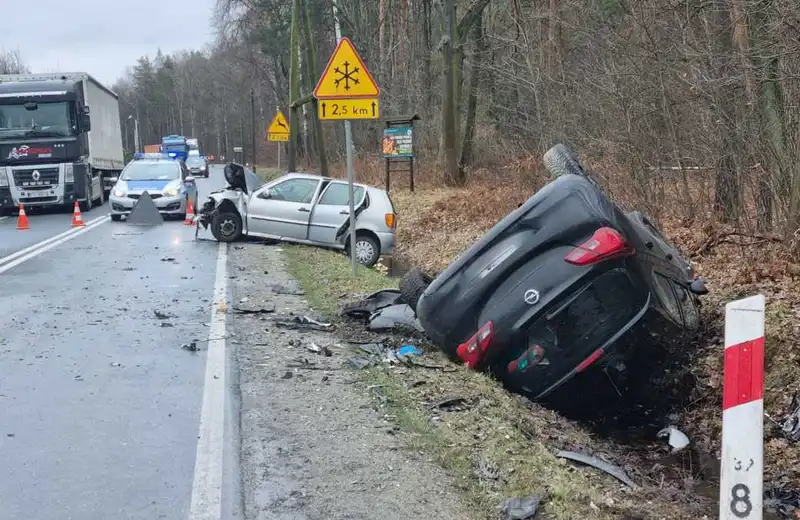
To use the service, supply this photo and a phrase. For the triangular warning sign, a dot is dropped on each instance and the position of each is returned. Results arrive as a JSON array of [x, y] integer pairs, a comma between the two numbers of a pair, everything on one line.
[[145, 212], [346, 76], [279, 125]]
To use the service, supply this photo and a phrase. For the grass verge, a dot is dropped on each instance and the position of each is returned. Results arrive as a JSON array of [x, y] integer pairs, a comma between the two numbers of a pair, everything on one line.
[[502, 446]]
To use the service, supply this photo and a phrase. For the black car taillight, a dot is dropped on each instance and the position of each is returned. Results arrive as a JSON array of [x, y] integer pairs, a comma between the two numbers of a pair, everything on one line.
[[605, 243], [473, 350]]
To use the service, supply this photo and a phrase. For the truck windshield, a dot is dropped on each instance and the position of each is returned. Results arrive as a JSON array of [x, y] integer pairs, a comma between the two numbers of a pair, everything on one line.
[[151, 171], [38, 119]]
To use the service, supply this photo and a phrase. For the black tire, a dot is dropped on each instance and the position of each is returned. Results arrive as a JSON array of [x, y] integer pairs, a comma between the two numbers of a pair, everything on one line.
[[368, 246], [559, 160], [412, 285], [181, 216], [226, 226], [116, 218], [87, 205]]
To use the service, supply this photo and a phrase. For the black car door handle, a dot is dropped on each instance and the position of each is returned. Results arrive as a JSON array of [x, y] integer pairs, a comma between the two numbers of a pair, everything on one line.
[[344, 212], [304, 210]]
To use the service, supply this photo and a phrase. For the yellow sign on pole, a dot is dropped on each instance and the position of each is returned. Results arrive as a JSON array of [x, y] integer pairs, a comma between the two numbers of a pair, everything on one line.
[[278, 130], [346, 76], [336, 109]]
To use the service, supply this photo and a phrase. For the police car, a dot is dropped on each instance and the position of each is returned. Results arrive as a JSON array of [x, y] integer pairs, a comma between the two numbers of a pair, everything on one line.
[[166, 179]]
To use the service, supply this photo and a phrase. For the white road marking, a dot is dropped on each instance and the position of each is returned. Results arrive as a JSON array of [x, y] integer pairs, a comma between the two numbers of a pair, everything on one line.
[[3, 218], [35, 250], [207, 487]]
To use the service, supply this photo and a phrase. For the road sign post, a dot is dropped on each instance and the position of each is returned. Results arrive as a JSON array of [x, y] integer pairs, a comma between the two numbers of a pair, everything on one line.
[[278, 131], [346, 91], [742, 465]]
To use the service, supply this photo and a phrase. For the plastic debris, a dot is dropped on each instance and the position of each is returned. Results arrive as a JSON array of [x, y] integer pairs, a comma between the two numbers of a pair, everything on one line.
[[791, 422], [677, 439], [408, 350], [363, 309], [304, 322], [394, 316], [611, 469], [521, 508]]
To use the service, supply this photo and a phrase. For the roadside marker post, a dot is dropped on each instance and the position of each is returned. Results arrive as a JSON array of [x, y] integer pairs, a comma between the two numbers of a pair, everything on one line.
[[346, 90], [742, 464]]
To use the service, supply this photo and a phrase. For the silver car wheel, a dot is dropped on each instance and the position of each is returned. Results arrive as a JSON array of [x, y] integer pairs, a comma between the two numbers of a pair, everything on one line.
[[364, 251]]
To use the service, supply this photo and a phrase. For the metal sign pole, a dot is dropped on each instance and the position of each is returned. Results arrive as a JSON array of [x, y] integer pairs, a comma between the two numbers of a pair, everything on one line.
[[348, 140]]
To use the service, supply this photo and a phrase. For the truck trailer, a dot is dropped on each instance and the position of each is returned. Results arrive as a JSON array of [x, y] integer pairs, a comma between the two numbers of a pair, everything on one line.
[[60, 140]]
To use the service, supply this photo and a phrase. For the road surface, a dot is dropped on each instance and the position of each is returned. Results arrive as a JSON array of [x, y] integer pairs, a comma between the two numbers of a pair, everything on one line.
[[103, 414]]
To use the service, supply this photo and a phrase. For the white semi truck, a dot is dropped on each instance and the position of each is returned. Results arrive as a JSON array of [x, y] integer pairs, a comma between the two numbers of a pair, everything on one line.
[[60, 140]]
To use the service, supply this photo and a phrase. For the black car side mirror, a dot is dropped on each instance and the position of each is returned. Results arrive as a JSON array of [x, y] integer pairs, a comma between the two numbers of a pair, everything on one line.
[[86, 122]]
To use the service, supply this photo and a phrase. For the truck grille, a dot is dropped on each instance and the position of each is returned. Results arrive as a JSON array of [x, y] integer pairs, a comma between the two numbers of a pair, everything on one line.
[[47, 177]]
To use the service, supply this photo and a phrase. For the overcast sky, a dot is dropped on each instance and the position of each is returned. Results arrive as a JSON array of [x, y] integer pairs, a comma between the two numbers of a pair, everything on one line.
[[102, 37]]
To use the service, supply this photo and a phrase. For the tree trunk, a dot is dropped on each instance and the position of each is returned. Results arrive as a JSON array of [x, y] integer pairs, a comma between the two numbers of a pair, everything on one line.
[[449, 129], [294, 84], [312, 76], [474, 83]]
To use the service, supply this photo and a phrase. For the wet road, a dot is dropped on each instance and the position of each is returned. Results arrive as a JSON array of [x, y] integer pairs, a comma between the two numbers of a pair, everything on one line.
[[100, 406]]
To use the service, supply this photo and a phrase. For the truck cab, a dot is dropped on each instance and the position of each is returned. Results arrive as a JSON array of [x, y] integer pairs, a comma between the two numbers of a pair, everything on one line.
[[175, 146], [47, 154]]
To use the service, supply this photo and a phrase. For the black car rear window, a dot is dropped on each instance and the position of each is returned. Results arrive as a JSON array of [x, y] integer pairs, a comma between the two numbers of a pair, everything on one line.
[[587, 321]]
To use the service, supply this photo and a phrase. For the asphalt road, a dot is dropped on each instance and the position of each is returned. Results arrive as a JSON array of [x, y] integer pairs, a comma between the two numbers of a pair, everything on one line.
[[100, 406]]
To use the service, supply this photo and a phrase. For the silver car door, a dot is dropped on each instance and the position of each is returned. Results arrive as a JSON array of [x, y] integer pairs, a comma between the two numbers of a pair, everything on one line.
[[332, 212], [283, 209]]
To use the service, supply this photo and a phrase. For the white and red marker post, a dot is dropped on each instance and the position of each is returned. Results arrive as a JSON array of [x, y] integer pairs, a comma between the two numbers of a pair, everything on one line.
[[742, 470]]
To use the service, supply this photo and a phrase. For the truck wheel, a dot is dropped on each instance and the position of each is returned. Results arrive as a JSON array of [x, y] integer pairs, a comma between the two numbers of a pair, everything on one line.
[[412, 285], [226, 226], [87, 205]]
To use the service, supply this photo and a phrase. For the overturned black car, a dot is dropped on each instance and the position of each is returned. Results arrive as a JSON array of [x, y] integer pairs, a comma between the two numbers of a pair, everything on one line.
[[561, 283]]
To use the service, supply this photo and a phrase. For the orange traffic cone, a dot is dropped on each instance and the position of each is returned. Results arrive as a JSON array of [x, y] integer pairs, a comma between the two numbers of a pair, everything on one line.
[[189, 214], [77, 218], [22, 219]]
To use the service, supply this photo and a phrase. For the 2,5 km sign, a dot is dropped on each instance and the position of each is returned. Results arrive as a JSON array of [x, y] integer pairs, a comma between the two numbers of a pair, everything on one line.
[[742, 470], [349, 109]]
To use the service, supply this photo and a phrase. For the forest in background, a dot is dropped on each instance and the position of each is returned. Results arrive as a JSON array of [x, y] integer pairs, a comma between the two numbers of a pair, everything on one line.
[[681, 99]]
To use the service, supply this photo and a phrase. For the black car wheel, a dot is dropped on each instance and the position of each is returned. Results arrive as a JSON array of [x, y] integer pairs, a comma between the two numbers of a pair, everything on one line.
[[226, 226], [116, 218], [560, 160], [412, 285]]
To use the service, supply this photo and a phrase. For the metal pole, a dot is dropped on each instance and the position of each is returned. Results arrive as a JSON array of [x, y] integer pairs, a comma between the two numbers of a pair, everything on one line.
[[279, 155], [136, 134], [253, 125], [348, 140]]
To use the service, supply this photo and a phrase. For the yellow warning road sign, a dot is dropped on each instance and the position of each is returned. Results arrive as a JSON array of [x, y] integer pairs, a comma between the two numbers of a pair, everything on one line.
[[346, 76], [366, 108], [278, 129]]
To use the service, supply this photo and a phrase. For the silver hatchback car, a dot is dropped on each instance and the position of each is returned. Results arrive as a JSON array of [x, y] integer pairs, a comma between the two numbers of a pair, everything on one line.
[[306, 209]]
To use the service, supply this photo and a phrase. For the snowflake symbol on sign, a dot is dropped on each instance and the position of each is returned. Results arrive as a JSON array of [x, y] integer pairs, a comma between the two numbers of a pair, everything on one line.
[[346, 75]]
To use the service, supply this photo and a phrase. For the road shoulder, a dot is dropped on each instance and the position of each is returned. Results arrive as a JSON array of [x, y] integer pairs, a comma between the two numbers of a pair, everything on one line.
[[314, 444]]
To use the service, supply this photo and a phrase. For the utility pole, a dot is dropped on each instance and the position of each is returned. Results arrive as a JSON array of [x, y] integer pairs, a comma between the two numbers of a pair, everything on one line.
[[136, 134], [348, 140], [253, 125]]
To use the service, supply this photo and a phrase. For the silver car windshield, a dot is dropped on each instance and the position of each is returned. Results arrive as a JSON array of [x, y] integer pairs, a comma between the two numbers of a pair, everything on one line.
[[151, 171]]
